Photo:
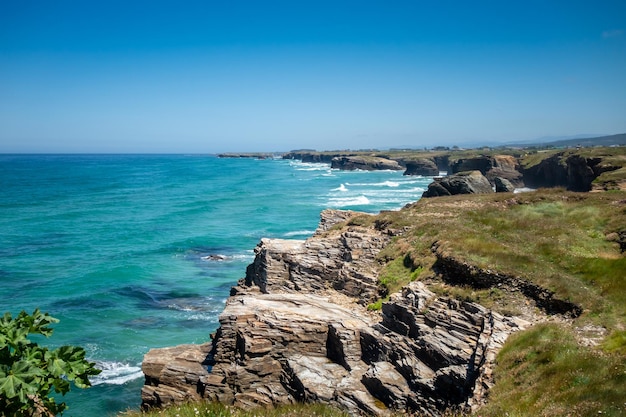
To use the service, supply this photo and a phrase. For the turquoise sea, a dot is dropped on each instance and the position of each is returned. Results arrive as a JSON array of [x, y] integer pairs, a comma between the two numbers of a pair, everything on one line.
[[133, 252]]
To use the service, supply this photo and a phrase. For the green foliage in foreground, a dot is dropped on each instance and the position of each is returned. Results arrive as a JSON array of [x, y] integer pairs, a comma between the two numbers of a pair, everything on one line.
[[544, 371], [29, 373], [208, 409]]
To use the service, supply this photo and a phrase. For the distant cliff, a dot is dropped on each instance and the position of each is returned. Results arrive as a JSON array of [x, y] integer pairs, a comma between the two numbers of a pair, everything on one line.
[[583, 169]]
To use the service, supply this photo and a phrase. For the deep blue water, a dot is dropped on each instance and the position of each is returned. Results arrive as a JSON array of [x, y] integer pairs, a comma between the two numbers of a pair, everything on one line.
[[118, 247]]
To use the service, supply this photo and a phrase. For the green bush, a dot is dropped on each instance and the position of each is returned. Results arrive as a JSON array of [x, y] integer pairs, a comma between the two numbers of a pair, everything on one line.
[[29, 373]]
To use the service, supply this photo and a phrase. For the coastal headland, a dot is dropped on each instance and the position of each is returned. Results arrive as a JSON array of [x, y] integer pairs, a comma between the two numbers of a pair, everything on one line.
[[472, 301]]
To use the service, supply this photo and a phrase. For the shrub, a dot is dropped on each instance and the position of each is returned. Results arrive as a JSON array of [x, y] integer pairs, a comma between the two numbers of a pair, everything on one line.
[[29, 373]]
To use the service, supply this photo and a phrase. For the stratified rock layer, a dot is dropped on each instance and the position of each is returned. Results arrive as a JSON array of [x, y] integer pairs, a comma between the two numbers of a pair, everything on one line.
[[469, 182], [295, 330], [421, 166], [369, 163]]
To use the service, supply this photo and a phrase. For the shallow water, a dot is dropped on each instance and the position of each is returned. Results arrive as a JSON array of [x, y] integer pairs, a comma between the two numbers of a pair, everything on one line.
[[133, 252]]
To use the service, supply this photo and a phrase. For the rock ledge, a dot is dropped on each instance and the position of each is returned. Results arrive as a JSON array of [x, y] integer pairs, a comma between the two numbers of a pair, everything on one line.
[[296, 329]]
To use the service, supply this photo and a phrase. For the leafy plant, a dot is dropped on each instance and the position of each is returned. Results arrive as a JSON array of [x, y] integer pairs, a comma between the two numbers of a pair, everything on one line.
[[29, 373]]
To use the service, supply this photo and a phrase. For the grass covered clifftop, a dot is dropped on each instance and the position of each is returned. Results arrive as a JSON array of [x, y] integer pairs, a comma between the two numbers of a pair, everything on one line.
[[553, 257], [571, 246]]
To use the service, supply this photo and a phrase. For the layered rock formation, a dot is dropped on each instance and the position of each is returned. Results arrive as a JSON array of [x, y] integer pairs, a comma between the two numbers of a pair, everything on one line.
[[492, 167], [365, 163], [563, 169], [570, 168], [296, 329], [421, 166], [470, 182]]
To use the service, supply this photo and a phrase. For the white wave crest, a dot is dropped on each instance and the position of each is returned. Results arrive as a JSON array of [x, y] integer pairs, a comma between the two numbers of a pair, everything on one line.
[[341, 188], [299, 233], [351, 201], [203, 316], [376, 184], [244, 256], [116, 373], [309, 166], [387, 184]]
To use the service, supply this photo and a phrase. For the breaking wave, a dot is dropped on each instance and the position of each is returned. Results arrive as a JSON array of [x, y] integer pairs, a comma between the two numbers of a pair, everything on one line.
[[299, 233], [341, 188], [350, 201], [116, 373]]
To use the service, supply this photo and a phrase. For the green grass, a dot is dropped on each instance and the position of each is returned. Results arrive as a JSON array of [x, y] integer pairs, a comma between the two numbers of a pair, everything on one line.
[[209, 409], [545, 372], [562, 241], [552, 238]]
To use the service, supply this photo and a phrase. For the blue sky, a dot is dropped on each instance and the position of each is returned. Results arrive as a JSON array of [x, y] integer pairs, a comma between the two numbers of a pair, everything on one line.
[[209, 76]]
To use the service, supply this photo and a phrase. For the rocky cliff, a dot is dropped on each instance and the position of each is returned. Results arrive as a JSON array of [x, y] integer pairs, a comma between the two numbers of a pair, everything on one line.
[[574, 171], [365, 163], [468, 182], [296, 328]]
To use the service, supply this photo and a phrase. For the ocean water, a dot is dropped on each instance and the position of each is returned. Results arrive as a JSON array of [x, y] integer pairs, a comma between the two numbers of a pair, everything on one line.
[[133, 252]]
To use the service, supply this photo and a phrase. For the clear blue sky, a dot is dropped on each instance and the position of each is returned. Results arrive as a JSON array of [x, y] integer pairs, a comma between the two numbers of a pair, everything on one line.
[[214, 76]]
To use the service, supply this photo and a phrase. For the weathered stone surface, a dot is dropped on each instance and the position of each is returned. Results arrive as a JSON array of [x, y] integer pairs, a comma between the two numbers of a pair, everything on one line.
[[503, 185], [369, 163], [478, 163], [506, 167], [426, 354], [574, 172], [471, 182], [174, 374], [294, 331], [343, 261], [421, 166], [503, 166], [463, 273]]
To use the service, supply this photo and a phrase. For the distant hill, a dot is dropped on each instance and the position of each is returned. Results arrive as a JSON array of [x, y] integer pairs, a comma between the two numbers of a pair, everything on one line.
[[619, 139]]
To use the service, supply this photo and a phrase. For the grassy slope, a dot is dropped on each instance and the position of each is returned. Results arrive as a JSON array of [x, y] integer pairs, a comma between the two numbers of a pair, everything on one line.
[[565, 242]]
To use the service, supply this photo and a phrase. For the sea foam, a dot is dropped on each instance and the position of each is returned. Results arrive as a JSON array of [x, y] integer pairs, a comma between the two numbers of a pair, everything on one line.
[[116, 373], [299, 233], [341, 188], [350, 201]]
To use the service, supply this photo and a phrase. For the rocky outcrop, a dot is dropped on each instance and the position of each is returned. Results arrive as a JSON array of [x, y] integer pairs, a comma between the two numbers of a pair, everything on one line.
[[295, 329], [365, 163], [503, 185], [342, 260], [427, 353], [502, 166], [471, 182], [549, 172], [566, 169], [253, 155], [421, 166], [458, 272], [173, 374], [479, 163], [312, 156], [580, 172]]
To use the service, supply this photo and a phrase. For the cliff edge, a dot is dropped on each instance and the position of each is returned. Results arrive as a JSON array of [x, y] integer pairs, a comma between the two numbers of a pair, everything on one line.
[[404, 311], [296, 329]]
